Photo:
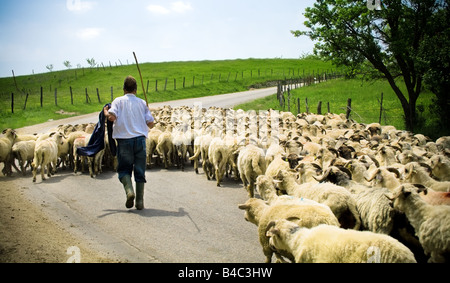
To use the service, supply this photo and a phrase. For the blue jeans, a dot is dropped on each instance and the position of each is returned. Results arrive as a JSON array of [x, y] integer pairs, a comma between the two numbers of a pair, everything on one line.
[[132, 157]]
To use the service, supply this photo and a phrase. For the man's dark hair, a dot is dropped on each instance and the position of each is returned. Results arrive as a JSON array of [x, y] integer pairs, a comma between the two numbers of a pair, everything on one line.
[[130, 84]]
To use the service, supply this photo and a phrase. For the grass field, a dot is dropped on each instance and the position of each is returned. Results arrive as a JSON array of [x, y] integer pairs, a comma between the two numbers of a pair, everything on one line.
[[365, 97], [200, 78]]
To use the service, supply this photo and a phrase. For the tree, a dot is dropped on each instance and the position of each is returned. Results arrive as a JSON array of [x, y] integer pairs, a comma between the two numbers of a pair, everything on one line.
[[391, 40], [91, 62], [67, 64], [49, 67]]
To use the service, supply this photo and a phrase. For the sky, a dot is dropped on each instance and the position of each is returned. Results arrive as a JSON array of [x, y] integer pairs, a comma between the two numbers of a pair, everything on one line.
[[38, 33]]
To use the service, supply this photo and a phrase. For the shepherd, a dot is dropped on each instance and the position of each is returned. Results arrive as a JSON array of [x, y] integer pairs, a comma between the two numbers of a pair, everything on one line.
[[132, 120]]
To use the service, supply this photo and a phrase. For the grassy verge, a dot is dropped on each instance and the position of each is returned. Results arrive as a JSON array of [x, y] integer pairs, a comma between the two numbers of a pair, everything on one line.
[[365, 97], [184, 80]]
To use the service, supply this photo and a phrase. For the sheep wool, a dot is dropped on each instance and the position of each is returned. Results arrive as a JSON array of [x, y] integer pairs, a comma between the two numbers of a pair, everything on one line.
[[330, 244]]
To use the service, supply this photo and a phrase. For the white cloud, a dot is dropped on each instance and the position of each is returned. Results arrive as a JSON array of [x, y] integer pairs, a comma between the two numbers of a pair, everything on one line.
[[89, 33], [157, 9], [179, 7], [79, 6]]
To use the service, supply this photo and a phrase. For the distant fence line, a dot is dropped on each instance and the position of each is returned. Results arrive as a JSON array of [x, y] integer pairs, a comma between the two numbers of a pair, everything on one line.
[[284, 90], [292, 78]]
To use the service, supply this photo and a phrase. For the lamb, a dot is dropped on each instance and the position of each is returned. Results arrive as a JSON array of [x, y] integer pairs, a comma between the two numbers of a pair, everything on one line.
[[261, 214], [24, 152], [251, 164], [77, 143], [6, 144], [431, 223], [331, 244], [46, 155], [416, 174], [337, 198]]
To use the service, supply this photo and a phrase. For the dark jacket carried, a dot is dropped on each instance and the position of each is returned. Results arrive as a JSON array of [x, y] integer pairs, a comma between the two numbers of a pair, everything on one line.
[[97, 141]]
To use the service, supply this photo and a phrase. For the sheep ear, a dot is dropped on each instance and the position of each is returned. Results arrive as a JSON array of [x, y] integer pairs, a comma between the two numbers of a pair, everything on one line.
[[390, 196], [293, 218], [273, 232], [421, 188], [244, 206]]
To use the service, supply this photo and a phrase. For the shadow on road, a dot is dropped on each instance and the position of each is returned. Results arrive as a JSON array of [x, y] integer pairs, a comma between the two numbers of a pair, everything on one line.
[[150, 212]]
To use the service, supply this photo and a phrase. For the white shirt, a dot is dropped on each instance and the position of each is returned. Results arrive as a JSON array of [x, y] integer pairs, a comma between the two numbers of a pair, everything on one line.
[[132, 117]]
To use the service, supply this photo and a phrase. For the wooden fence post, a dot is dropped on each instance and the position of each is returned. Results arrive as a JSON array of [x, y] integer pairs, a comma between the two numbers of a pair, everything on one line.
[[319, 108], [298, 105], [307, 107], [42, 95], [26, 99], [112, 95], [98, 96], [56, 96], [71, 95], [349, 108], [381, 108], [165, 85], [12, 102]]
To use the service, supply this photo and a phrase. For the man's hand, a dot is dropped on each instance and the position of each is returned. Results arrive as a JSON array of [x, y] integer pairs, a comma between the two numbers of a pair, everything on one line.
[[105, 111]]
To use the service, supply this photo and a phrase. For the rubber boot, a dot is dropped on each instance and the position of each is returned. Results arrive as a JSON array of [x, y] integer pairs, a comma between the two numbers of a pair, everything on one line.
[[140, 196], [128, 186]]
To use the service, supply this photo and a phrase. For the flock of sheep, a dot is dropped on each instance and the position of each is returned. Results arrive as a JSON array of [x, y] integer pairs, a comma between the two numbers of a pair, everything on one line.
[[329, 189]]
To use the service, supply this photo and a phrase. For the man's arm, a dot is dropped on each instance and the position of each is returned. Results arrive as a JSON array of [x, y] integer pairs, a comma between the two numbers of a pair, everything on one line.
[[110, 117]]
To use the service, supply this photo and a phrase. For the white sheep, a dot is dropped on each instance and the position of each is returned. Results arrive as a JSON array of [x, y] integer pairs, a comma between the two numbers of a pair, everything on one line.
[[331, 244], [372, 204], [24, 152], [6, 144], [251, 164], [339, 199], [261, 214], [266, 189], [46, 155], [79, 142], [277, 164], [219, 153], [165, 147], [152, 142], [431, 223]]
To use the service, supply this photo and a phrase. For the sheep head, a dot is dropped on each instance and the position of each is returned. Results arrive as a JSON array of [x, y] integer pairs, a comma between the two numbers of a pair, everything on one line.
[[335, 175], [253, 209], [277, 229], [405, 191]]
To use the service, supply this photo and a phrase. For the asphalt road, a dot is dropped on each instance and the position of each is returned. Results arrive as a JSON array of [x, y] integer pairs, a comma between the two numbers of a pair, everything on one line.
[[187, 219]]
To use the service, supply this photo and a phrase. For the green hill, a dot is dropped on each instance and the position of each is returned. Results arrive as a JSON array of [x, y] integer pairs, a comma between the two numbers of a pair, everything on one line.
[[86, 90]]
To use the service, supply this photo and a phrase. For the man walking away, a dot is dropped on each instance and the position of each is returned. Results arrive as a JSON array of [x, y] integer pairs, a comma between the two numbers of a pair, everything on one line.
[[132, 120]]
